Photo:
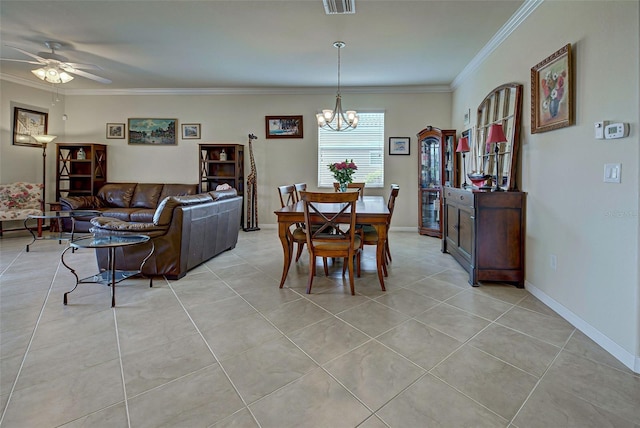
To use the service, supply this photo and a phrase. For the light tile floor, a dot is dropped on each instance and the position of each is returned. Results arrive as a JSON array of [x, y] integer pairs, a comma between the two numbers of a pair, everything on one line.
[[224, 347]]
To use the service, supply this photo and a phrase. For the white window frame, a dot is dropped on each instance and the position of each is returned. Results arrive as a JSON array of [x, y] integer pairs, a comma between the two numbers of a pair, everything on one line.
[[365, 145]]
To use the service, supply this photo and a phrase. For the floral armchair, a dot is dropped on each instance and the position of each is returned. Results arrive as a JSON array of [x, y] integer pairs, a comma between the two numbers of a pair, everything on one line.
[[19, 200]]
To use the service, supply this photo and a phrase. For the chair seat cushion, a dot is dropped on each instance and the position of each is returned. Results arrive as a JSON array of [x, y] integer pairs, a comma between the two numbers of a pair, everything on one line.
[[337, 245]]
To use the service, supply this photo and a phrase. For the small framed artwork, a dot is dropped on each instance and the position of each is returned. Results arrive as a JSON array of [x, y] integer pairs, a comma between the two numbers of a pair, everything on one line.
[[190, 131], [283, 126], [157, 132], [467, 117], [552, 97], [115, 130], [27, 123], [399, 145]]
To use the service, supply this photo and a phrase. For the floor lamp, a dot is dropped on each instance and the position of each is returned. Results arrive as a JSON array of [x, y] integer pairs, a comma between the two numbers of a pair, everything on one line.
[[44, 140], [463, 147]]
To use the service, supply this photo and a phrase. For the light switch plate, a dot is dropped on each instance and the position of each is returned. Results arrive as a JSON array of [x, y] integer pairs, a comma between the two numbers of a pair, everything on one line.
[[612, 172]]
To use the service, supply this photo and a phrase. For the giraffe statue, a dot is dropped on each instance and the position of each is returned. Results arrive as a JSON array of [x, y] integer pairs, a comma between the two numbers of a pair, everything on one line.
[[252, 192]]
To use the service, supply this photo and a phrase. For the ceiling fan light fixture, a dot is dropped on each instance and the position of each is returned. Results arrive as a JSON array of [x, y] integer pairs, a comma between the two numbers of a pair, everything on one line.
[[337, 119], [52, 75]]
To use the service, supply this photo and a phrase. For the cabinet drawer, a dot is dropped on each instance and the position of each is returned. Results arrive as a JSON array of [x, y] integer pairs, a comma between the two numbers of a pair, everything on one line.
[[458, 197]]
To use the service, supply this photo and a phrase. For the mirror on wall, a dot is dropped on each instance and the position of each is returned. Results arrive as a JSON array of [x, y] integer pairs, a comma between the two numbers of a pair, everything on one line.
[[503, 105]]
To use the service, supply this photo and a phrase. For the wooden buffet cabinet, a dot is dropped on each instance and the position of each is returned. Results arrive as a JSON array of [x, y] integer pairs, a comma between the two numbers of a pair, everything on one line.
[[485, 232]]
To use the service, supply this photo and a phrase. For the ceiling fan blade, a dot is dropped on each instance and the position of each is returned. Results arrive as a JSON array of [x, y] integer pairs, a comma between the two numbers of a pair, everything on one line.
[[87, 75], [79, 66], [21, 60], [40, 59]]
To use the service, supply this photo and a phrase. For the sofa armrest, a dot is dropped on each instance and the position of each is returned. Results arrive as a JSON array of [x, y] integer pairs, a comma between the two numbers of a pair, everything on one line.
[[114, 226], [70, 203]]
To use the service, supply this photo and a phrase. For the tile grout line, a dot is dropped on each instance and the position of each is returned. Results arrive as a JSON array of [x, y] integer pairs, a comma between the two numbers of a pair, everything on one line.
[[541, 377], [124, 385], [33, 333], [235, 388]]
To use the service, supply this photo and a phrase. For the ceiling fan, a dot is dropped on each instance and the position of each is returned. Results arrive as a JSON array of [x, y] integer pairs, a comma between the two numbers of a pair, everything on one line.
[[55, 68]]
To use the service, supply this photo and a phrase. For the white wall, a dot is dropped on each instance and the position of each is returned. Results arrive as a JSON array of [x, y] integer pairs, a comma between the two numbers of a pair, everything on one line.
[[591, 226], [229, 119]]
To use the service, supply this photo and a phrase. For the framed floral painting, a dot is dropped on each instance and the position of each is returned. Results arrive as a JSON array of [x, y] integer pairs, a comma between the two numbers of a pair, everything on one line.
[[552, 97]]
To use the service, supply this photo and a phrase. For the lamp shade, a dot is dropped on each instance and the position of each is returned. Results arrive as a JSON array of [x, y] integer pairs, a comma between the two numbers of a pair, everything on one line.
[[463, 145], [44, 139], [496, 134]]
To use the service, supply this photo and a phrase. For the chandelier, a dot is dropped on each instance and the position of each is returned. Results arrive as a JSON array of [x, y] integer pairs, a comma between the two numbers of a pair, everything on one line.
[[337, 119]]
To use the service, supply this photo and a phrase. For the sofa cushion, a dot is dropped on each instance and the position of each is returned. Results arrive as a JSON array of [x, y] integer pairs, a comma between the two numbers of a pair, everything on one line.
[[146, 195], [142, 215], [178, 190], [117, 194], [123, 214]]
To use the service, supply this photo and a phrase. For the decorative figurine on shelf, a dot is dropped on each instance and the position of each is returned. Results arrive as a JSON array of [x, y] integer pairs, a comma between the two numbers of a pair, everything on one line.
[[223, 155], [252, 192], [81, 154]]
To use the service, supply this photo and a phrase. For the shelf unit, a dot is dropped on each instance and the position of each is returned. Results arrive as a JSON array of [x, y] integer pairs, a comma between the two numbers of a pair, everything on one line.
[[214, 171], [437, 167], [80, 177]]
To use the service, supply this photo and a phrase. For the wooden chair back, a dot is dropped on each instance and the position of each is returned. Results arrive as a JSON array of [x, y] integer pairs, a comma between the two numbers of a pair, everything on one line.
[[395, 189], [354, 185], [287, 195], [300, 187], [328, 234]]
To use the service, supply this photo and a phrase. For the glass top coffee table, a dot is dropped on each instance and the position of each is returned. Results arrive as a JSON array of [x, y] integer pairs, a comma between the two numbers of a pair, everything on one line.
[[58, 216], [111, 276]]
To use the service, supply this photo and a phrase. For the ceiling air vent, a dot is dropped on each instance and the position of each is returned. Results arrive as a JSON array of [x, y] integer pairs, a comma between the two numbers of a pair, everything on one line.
[[339, 7]]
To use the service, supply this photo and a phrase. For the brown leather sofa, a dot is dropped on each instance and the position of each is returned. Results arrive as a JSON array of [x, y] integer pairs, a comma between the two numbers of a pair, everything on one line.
[[185, 230], [125, 201]]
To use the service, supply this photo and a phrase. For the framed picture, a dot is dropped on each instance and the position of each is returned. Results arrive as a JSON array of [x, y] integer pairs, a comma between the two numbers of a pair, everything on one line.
[[190, 131], [399, 145], [115, 130], [27, 123], [157, 132], [283, 126], [552, 97]]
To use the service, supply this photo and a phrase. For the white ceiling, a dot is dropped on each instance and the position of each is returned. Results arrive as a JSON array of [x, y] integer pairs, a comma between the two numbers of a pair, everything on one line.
[[238, 44]]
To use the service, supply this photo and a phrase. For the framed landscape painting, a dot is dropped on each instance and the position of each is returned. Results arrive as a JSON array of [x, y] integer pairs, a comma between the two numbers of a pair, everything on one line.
[[115, 130], [399, 145], [158, 132], [283, 126], [27, 123], [190, 131]]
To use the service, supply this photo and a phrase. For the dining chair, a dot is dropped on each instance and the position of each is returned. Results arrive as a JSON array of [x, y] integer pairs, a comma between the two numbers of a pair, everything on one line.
[[369, 235], [288, 197], [354, 185], [330, 236], [300, 187]]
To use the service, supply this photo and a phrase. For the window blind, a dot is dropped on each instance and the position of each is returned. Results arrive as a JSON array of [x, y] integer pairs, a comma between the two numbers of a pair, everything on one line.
[[365, 145]]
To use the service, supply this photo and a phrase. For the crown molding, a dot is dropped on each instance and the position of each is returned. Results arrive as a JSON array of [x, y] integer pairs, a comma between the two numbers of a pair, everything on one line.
[[417, 89], [505, 31]]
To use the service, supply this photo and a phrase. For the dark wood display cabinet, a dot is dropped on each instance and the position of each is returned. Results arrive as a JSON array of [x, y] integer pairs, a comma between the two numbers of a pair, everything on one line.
[[222, 164], [485, 232], [81, 169], [437, 167]]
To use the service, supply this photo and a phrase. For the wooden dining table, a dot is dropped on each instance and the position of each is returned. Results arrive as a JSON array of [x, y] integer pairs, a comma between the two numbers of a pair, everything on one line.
[[371, 210]]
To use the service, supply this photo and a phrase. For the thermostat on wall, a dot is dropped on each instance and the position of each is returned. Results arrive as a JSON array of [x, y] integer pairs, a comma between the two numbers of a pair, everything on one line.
[[616, 130]]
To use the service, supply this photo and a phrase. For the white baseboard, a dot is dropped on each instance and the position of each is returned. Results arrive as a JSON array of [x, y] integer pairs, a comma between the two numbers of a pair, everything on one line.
[[621, 354]]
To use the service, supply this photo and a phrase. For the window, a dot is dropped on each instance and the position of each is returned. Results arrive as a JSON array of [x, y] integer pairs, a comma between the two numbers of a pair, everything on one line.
[[365, 145]]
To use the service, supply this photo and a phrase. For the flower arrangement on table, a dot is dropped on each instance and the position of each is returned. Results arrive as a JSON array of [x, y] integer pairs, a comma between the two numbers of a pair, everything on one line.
[[343, 172]]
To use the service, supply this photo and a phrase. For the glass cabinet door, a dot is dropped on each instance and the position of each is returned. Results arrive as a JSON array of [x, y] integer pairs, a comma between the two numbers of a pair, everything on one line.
[[437, 167]]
